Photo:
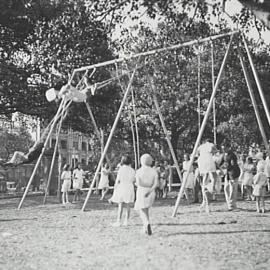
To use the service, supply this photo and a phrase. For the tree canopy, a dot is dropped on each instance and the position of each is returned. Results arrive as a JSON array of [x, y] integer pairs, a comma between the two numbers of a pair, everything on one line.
[[43, 41]]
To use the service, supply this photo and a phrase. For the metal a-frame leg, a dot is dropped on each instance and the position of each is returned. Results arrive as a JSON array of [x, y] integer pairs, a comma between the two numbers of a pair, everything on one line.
[[167, 136], [109, 139], [54, 154], [208, 111], [253, 100], [42, 153]]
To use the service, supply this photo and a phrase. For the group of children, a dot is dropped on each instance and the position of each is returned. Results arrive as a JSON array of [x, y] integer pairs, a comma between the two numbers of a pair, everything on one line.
[[213, 167], [69, 178], [254, 178], [152, 179], [146, 181]]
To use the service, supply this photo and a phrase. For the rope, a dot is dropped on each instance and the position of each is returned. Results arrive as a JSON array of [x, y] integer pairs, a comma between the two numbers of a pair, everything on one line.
[[136, 157]]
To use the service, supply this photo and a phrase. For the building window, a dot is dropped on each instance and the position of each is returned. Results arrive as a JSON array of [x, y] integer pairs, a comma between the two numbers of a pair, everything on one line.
[[83, 161], [75, 145], [64, 144], [83, 146], [53, 142]]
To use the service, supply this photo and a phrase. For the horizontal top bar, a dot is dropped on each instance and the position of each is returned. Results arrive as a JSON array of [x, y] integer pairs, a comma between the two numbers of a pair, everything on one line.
[[174, 47]]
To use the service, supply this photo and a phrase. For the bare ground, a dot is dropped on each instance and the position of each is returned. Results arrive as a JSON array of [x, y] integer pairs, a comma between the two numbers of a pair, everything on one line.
[[63, 237]]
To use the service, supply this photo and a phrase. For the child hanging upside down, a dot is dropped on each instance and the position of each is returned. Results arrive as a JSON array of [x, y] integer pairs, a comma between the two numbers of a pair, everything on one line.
[[33, 153]]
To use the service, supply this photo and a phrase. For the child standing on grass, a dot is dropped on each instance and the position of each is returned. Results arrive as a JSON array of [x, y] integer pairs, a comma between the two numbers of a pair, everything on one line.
[[66, 178], [124, 190], [104, 181], [260, 182], [147, 182]]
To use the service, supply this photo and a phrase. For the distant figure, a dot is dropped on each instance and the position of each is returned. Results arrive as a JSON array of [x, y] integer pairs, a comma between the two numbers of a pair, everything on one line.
[[66, 178], [78, 174], [146, 181], [247, 177], [260, 182], [168, 178], [231, 178], [104, 181], [190, 182], [124, 190]]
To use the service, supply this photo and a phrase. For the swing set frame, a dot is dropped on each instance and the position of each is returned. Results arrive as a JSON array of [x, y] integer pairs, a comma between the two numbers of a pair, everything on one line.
[[64, 105]]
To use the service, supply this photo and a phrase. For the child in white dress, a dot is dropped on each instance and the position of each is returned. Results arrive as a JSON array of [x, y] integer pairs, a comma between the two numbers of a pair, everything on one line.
[[146, 181], [190, 182], [78, 174], [124, 189], [66, 178], [247, 177], [260, 182], [104, 181]]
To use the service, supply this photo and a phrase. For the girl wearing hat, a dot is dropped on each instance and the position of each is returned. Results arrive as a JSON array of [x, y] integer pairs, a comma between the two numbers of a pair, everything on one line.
[[147, 182]]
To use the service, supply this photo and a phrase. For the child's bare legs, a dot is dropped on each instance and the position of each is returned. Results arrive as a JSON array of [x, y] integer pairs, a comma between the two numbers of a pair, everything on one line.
[[248, 189], [119, 215], [258, 204], [63, 198], [104, 192], [263, 204], [144, 213], [75, 195], [127, 214]]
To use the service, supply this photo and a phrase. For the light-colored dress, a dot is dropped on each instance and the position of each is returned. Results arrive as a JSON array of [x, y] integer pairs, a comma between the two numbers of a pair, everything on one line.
[[124, 187], [190, 183], [78, 178], [267, 167], [206, 160], [260, 181], [146, 177], [247, 177], [66, 177], [104, 179]]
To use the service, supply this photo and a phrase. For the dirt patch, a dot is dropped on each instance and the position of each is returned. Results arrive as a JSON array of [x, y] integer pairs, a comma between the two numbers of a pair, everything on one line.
[[63, 237]]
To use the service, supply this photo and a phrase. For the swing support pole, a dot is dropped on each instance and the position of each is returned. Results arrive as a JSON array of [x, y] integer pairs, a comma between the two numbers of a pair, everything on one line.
[[98, 133], [257, 81], [43, 151], [152, 52], [214, 102], [210, 105], [254, 103], [54, 155], [130, 121], [166, 134], [109, 139]]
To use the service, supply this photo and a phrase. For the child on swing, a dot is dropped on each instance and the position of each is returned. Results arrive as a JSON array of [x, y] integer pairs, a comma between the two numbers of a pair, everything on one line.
[[124, 190], [146, 181]]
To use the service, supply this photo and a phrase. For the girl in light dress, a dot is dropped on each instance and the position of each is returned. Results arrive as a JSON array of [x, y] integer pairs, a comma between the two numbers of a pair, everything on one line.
[[104, 181], [124, 193], [146, 181], [260, 182], [66, 178], [207, 169], [77, 175], [190, 182], [247, 177]]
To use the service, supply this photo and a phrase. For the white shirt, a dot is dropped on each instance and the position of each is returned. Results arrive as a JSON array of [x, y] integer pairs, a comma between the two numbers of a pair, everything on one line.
[[78, 174]]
